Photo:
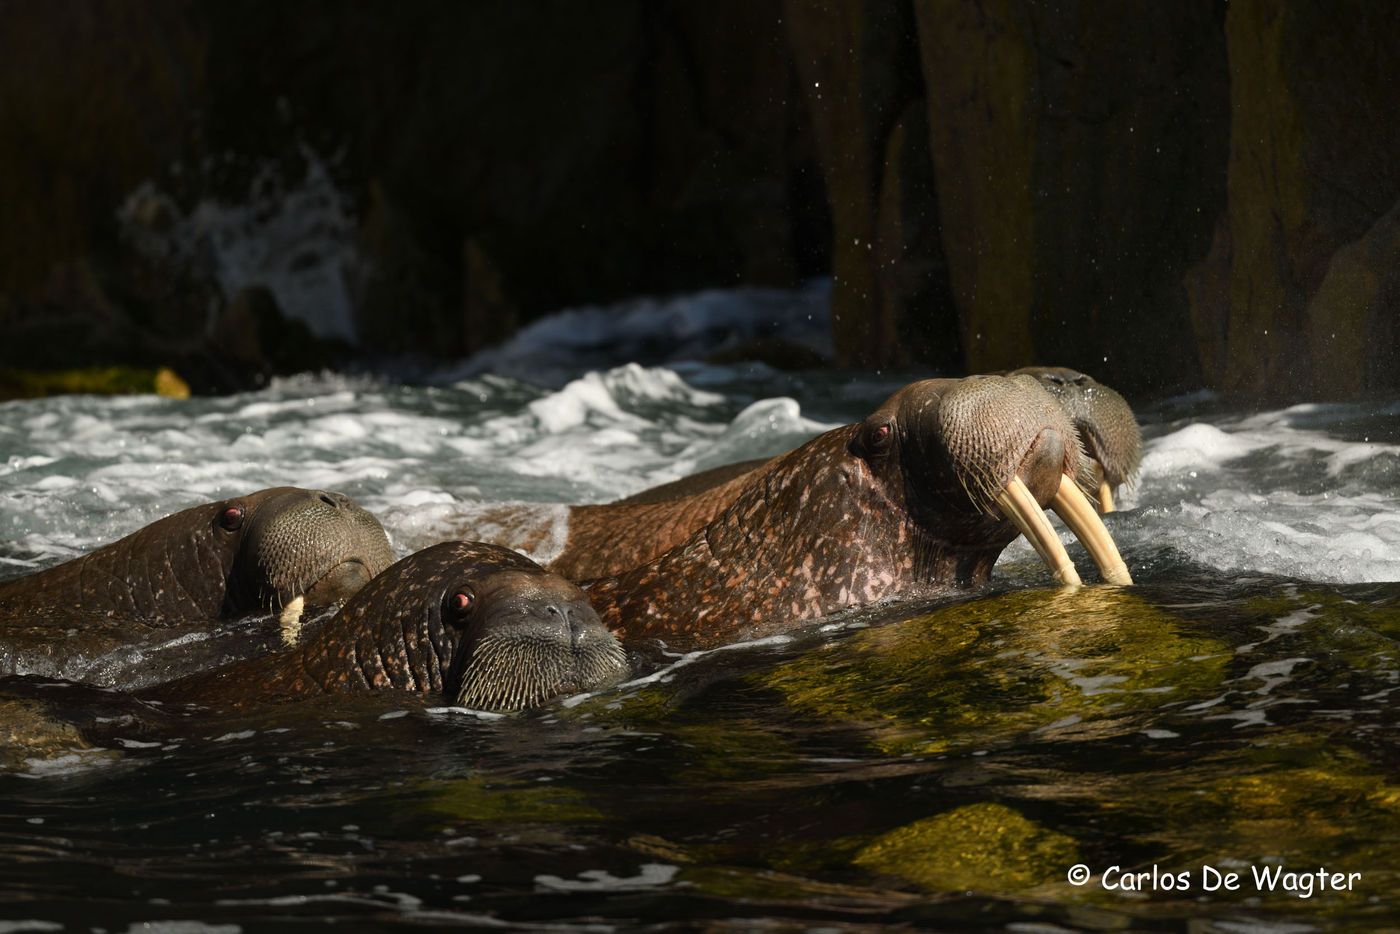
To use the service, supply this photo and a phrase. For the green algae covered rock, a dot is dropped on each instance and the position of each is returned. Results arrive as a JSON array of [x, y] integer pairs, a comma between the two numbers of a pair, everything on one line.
[[98, 380], [982, 847], [971, 673]]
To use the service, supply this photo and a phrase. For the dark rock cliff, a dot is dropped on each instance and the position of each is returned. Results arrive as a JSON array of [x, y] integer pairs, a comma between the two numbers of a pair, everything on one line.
[[1165, 195]]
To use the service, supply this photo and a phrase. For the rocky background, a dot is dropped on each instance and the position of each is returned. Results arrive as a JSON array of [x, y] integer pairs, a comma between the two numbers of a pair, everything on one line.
[[1167, 195]]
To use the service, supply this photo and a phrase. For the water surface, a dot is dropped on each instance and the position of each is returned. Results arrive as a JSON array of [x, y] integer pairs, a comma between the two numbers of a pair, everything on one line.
[[938, 765]]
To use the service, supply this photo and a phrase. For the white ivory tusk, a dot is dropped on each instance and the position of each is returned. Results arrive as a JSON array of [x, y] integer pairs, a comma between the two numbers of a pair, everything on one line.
[[1021, 508], [1105, 491], [290, 620], [1071, 505]]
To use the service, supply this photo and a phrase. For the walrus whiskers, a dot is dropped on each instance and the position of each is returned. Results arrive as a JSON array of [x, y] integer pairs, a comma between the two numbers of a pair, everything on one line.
[[512, 673]]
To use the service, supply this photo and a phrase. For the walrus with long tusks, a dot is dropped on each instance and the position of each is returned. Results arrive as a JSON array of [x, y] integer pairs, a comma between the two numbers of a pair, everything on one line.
[[277, 550], [921, 496], [585, 542], [477, 625]]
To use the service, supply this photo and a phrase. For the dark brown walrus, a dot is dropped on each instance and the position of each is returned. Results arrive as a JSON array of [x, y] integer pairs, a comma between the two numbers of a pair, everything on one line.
[[923, 495], [479, 625], [611, 538], [275, 550]]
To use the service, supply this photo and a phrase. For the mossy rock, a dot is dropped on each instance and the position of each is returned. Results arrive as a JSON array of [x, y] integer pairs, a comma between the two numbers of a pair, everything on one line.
[[32, 739], [1300, 800], [985, 847], [478, 800], [101, 380], [965, 674]]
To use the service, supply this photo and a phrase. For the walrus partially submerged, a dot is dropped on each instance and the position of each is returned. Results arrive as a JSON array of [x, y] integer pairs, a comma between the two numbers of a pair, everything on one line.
[[278, 550], [477, 625], [592, 541], [921, 496]]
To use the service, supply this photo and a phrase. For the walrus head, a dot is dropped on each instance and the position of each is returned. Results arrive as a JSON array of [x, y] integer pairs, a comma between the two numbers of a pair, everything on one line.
[[485, 625], [964, 456], [275, 549], [528, 636], [295, 548], [506, 633], [1105, 424]]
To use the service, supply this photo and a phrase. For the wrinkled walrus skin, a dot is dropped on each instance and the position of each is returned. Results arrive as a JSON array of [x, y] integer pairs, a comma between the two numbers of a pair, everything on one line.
[[473, 624], [905, 502], [254, 553], [610, 538]]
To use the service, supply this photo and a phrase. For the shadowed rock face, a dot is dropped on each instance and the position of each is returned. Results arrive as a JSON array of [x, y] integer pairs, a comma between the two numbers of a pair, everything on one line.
[[260, 552], [475, 624], [910, 500]]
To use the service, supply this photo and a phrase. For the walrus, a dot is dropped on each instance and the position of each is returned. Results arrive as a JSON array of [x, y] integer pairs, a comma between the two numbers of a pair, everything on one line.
[[479, 625], [1108, 432], [1104, 422], [599, 540], [920, 497], [277, 550]]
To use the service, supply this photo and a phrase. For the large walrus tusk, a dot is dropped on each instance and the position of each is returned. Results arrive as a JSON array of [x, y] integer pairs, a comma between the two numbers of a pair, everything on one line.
[[1105, 491], [1071, 505], [1021, 508]]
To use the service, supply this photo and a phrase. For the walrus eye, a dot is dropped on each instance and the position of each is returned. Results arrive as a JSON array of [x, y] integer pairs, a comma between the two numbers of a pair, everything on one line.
[[879, 438], [458, 605], [231, 519]]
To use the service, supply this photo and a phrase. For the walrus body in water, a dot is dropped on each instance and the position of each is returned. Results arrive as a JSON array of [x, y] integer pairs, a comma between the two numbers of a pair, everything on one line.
[[191, 590], [477, 625], [921, 496], [611, 538], [271, 551]]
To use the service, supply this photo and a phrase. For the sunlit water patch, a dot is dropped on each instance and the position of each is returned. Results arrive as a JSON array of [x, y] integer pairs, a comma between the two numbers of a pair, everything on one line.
[[944, 765]]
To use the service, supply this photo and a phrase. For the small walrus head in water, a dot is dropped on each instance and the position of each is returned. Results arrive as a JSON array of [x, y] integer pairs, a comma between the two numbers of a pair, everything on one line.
[[528, 636], [1105, 423], [273, 550], [480, 625], [296, 547]]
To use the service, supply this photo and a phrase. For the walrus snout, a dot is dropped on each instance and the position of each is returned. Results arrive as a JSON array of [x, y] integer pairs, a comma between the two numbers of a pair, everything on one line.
[[1016, 449], [1104, 422], [1041, 468], [574, 617], [307, 547], [538, 637]]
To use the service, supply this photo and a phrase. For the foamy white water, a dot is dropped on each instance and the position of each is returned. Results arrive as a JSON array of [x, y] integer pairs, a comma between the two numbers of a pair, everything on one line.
[[1310, 491], [294, 236]]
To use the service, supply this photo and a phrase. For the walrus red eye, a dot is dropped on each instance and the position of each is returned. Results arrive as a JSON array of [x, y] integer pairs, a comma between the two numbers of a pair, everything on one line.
[[231, 519], [879, 438], [460, 603]]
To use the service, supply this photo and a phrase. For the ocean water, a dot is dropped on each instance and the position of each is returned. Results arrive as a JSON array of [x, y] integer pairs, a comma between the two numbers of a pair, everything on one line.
[[944, 765]]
